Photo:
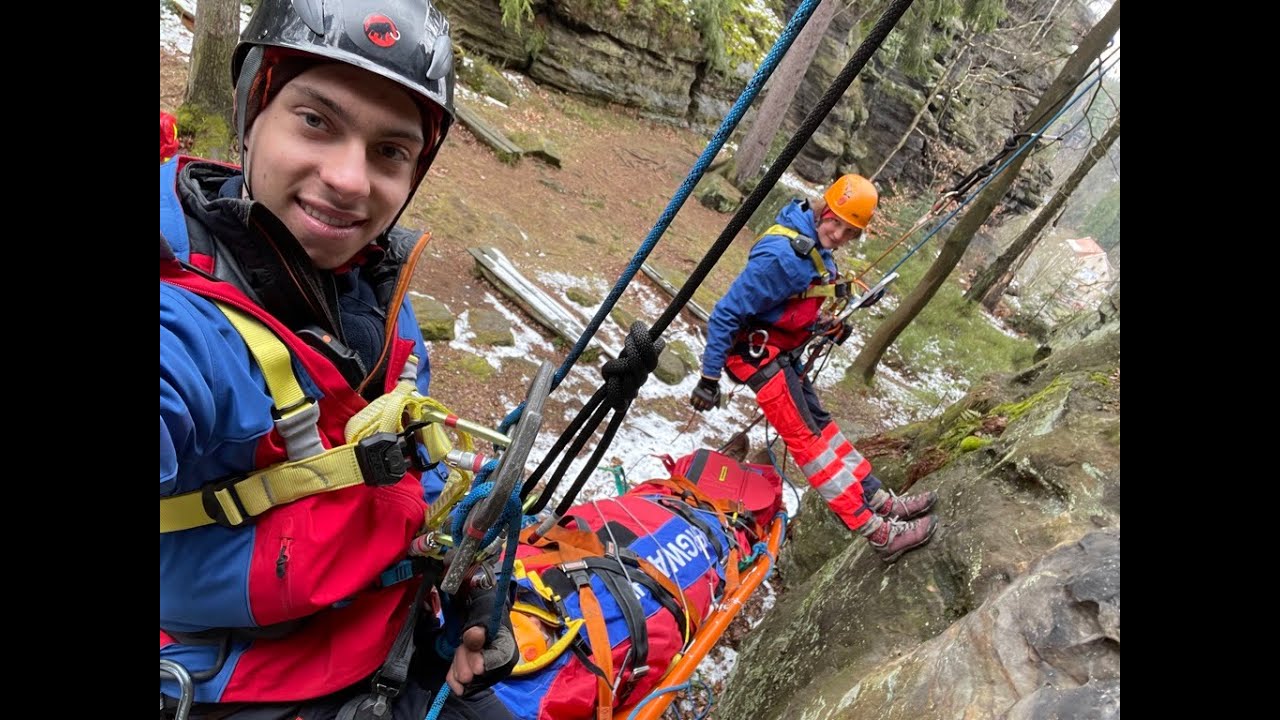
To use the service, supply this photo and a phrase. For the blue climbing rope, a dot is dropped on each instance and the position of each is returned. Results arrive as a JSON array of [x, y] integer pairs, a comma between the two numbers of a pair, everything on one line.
[[512, 516], [771, 60]]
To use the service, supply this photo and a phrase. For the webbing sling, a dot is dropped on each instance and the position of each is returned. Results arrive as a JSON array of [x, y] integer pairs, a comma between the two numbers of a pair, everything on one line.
[[837, 289], [376, 453]]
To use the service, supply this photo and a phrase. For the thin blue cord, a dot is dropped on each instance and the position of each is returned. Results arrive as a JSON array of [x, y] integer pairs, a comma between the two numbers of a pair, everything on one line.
[[447, 642], [438, 704], [1030, 141], [654, 695], [780, 47], [711, 700]]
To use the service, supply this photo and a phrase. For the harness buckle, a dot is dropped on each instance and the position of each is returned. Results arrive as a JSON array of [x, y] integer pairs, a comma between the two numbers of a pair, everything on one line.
[[384, 691], [578, 572], [754, 349], [370, 707], [383, 458], [211, 500]]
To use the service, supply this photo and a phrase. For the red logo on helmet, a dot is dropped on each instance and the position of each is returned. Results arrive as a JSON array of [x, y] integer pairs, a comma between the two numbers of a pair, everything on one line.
[[380, 30]]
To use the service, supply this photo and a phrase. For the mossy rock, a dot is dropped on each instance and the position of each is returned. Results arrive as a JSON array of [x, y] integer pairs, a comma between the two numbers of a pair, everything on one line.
[[538, 147], [209, 135], [582, 297], [671, 369], [623, 317], [491, 328], [687, 356], [435, 320], [476, 366], [718, 194], [477, 74]]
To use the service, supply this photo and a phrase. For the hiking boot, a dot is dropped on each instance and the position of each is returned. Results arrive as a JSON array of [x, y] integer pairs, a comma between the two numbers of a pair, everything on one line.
[[893, 537], [905, 507]]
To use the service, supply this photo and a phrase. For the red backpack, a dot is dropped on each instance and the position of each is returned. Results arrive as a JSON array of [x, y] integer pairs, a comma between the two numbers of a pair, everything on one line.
[[758, 487]]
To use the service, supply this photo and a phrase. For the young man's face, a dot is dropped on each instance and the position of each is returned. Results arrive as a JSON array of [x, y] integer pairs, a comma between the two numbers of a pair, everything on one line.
[[333, 155], [834, 233]]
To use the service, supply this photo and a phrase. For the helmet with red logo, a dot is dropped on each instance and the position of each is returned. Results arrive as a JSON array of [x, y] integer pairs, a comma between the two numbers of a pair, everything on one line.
[[405, 41], [853, 199]]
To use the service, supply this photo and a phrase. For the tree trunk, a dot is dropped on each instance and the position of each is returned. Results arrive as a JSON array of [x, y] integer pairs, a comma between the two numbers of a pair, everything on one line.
[[1057, 95], [206, 108], [991, 283], [783, 85], [928, 98]]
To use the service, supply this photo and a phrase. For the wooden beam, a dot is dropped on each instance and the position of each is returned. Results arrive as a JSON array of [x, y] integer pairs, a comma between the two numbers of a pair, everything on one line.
[[548, 311], [186, 13], [507, 151], [693, 307]]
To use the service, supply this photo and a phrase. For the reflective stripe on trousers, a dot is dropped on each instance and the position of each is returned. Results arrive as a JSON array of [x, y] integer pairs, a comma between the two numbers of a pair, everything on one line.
[[826, 458]]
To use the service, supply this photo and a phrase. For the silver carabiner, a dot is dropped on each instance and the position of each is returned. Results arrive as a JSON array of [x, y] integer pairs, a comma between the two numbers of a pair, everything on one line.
[[186, 687], [757, 350]]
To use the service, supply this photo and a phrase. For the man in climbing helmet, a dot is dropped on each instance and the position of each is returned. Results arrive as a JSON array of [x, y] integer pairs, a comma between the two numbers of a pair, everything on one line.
[[282, 315], [367, 100], [756, 333]]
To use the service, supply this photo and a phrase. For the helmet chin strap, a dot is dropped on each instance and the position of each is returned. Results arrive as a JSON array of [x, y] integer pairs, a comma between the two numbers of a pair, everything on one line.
[[248, 73]]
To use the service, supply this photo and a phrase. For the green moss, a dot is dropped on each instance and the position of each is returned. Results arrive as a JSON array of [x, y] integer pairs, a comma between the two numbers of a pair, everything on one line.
[[581, 297], [1100, 378], [209, 135], [623, 317], [971, 443], [476, 365], [686, 355], [965, 425], [1015, 410], [480, 75], [950, 334]]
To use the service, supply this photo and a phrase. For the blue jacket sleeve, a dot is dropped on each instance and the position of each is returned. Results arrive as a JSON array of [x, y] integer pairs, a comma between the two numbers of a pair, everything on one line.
[[213, 402], [767, 281]]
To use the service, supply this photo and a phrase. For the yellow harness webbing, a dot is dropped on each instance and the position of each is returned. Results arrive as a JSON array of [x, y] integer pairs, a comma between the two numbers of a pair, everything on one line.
[[363, 459]]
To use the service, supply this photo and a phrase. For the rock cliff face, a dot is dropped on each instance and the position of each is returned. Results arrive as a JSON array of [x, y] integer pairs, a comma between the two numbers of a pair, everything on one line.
[[649, 55], [1012, 610]]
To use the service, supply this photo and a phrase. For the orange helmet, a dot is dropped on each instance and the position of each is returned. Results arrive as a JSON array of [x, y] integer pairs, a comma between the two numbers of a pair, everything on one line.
[[853, 199]]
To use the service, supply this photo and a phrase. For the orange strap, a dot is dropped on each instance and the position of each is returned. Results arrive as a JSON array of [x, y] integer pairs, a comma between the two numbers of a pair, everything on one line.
[[561, 545], [721, 505], [731, 577], [601, 649]]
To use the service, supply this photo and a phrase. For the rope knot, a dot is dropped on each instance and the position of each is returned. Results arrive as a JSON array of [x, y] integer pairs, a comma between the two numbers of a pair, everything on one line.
[[625, 374]]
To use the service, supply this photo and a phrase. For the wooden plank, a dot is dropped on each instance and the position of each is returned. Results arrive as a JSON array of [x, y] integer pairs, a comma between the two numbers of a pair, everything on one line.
[[506, 150], [499, 271], [693, 307], [186, 12]]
